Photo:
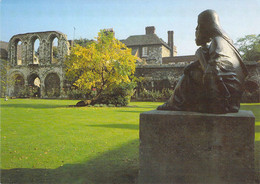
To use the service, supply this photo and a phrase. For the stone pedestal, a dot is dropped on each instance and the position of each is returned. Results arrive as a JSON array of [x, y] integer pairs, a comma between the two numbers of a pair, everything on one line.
[[188, 147]]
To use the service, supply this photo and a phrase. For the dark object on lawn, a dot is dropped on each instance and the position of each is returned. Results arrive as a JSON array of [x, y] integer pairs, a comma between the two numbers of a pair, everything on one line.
[[213, 83], [83, 103]]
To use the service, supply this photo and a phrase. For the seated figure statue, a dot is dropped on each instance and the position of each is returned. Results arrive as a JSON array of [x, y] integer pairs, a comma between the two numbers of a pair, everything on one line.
[[213, 83]]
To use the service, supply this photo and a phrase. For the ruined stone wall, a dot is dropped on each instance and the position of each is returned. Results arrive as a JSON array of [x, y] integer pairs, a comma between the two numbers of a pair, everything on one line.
[[38, 65], [45, 51]]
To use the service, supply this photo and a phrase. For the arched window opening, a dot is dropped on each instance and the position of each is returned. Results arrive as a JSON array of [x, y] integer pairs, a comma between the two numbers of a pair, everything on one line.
[[36, 52], [34, 83], [52, 85], [54, 50], [19, 53], [19, 86], [37, 82]]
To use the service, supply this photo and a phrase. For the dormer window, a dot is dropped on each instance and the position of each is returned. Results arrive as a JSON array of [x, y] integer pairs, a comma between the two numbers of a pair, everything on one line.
[[144, 52]]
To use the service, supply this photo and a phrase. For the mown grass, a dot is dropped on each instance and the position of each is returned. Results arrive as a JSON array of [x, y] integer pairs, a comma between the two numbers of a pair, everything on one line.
[[45, 141]]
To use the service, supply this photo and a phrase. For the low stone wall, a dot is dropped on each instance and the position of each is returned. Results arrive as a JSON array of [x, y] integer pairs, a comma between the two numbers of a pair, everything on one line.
[[157, 77]]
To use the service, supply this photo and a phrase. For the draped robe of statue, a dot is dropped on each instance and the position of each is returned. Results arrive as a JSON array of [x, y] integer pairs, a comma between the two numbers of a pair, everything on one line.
[[216, 91]]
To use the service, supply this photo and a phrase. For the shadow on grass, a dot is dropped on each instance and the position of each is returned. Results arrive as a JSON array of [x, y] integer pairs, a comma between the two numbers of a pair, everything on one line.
[[117, 166], [121, 126], [257, 161], [33, 106]]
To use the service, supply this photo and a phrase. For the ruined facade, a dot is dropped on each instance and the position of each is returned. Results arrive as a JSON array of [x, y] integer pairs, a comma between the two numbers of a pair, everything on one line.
[[39, 69]]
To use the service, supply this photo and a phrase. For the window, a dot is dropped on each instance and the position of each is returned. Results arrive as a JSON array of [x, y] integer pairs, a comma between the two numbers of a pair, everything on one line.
[[54, 50], [36, 52], [144, 52], [19, 53]]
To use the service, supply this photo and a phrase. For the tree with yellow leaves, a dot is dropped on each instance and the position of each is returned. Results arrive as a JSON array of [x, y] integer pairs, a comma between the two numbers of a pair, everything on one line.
[[101, 67]]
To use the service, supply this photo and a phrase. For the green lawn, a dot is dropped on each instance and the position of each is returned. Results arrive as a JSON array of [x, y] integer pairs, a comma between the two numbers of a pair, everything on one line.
[[45, 141]]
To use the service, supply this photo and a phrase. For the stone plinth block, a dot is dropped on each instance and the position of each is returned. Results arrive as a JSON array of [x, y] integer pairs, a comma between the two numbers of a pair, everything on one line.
[[189, 147]]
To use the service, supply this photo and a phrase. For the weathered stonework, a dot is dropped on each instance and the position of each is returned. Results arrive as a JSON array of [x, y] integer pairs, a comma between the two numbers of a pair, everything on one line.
[[41, 66], [196, 148], [159, 76], [154, 54], [155, 46]]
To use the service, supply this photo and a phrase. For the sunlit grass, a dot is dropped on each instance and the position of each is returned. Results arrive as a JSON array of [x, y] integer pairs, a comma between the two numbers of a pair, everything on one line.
[[255, 108], [50, 135]]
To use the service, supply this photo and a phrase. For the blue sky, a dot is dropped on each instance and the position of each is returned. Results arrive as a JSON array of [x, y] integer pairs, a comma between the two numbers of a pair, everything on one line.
[[127, 17]]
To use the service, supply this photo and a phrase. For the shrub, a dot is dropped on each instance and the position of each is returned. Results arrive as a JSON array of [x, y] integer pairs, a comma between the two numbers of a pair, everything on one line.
[[28, 91], [23, 92], [167, 93], [155, 95], [54, 92], [115, 95], [118, 94], [75, 94]]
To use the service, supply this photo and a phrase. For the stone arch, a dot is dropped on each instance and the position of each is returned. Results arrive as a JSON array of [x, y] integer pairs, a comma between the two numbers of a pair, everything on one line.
[[35, 54], [54, 50], [17, 51], [30, 70], [34, 85], [19, 84], [52, 85]]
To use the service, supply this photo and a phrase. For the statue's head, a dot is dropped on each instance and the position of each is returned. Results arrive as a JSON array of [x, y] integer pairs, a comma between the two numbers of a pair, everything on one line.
[[208, 26]]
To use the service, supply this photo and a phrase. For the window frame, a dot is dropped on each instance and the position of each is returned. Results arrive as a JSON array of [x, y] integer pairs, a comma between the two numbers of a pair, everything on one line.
[[145, 51]]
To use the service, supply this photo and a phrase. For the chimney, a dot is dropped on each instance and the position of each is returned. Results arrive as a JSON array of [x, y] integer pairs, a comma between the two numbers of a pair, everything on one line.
[[170, 42], [150, 30]]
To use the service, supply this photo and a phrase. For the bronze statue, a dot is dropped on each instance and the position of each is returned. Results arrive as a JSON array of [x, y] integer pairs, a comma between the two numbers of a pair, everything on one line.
[[213, 83]]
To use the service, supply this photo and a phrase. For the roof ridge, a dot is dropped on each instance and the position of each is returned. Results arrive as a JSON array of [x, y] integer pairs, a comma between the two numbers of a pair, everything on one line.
[[146, 39]]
